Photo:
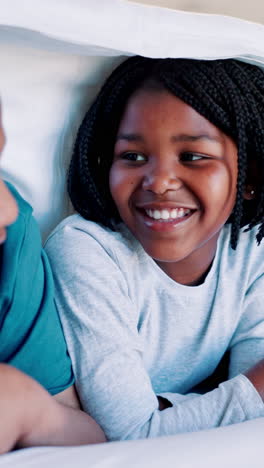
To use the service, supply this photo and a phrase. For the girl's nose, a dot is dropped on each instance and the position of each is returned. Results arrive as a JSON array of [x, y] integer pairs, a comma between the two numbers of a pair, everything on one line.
[[160, 181]]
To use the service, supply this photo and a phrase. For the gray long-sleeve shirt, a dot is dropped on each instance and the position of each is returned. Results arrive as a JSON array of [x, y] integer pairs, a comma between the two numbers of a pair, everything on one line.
[[133, 333]]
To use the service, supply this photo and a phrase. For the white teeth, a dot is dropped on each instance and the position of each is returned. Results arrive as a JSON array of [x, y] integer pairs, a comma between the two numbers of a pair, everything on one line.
[[165, 214], [156, 214], [168, 214], [181, 212]]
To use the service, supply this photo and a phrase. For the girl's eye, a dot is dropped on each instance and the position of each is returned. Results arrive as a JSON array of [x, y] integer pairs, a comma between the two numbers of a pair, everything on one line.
[[134, 157], [192, 157]]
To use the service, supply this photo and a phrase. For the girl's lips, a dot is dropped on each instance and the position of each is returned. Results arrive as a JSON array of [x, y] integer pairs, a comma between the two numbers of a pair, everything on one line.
[[169, 205], [163, 225]]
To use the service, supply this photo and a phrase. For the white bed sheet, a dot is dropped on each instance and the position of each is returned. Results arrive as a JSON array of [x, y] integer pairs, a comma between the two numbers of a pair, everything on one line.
[[54, 55], [237, 446]]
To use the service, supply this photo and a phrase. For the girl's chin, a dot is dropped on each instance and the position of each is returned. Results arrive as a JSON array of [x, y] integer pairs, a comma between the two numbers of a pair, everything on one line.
[[161, 257]]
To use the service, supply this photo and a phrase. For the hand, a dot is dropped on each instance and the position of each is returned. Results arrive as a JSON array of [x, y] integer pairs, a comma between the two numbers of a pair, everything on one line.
[[164, 403], [61, 425], [256, 376], [30, 416], [16, 406]]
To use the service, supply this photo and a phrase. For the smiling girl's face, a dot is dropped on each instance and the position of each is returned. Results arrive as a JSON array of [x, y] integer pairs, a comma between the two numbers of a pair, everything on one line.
[[173, 180], [8, 206]]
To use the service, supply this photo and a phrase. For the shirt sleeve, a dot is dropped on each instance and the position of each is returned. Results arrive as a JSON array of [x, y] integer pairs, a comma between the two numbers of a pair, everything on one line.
[[31, 333], [100, 324], [247, 345]]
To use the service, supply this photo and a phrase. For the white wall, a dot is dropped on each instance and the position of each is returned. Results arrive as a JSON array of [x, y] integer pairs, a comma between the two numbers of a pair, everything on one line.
[[252, 10]]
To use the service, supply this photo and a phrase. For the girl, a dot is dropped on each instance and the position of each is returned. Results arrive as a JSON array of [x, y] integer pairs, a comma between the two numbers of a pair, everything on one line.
[[160, 274]]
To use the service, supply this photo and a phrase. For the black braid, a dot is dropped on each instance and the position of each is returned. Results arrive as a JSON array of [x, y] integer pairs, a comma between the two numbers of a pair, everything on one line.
[[228, 93]]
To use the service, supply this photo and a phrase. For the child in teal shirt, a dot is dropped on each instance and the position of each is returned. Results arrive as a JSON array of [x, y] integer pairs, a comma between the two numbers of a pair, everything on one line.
[[31, 340]]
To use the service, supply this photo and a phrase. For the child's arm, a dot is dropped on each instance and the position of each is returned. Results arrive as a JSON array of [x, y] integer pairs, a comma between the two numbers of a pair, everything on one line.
[[30, 416], [256, 376], [68, 397]]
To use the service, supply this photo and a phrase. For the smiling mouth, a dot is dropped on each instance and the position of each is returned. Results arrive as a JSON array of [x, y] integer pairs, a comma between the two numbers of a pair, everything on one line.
[[165, 219], [168, 215]]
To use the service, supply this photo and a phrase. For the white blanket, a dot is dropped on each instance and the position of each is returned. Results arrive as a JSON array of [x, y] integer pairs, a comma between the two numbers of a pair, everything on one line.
[[237, 446], [54, 56]]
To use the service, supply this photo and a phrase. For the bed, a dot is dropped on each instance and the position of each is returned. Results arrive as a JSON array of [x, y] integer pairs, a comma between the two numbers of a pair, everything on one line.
[[54, 57]]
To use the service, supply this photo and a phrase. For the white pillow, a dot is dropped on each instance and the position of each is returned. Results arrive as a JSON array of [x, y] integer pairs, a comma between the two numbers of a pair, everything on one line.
[[55, 56], [44, 97]]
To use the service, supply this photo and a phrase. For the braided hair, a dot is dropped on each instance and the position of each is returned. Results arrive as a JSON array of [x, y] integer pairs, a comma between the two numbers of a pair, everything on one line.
[[228, 93]]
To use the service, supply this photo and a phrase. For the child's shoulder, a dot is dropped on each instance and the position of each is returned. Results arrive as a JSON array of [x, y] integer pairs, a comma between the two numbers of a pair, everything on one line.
[[75, 226], [24, 208], [247, 242], [25, 228], [75, 232], [248, 256]]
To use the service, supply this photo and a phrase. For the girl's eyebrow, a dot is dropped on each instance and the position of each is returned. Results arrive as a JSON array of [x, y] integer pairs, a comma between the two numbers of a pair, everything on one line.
[[130, 137], [203, 136], [136, 137]]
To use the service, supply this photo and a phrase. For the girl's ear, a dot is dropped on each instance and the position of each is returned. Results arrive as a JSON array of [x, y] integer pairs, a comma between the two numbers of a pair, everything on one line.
[[252, 183], [250, 192]]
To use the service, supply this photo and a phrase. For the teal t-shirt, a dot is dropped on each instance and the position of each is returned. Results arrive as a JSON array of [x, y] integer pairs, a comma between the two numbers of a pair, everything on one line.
[[31, 336]]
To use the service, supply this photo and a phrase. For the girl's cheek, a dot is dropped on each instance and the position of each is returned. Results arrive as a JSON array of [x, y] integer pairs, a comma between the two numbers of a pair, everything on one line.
[[116, 176], [115, 180]]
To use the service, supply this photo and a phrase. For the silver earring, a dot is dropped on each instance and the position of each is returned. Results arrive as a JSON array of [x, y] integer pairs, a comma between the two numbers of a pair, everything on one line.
[[252, 192]]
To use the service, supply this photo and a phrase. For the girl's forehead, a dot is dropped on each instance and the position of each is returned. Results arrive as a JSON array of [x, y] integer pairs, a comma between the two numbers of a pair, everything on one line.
[[146, 106]]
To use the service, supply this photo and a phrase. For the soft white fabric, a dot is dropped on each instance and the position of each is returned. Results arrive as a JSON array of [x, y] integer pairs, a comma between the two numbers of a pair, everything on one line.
[[251, 11], [119, 26], [44, 97], [53, 60], [47, 79], [237, 446]]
